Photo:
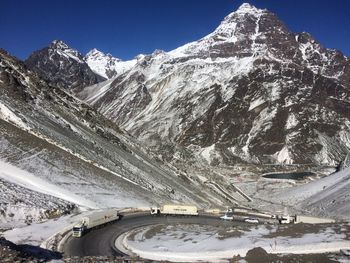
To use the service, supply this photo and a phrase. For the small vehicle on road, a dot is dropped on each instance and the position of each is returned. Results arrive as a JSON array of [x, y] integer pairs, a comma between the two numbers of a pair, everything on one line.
[[251, 220], [227, 216]]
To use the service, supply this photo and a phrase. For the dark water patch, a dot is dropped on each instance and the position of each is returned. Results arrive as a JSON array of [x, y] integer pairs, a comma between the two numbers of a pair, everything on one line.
[[289, 176]]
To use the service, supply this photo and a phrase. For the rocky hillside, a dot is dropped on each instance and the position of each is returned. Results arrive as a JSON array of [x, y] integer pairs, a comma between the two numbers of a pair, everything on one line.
[[62, 66], [54, 144], [10, 252], [251, 91]]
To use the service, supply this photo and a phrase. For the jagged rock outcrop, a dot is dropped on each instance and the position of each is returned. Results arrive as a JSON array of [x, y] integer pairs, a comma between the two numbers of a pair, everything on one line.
[[62, 67]]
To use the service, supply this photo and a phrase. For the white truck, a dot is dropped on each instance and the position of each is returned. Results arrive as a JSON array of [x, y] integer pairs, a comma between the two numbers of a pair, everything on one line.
[[312, 220], [189, 210], [285, 219], [94, 220]]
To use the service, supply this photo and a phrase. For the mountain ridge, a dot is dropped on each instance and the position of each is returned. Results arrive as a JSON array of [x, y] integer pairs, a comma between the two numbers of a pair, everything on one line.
[[62, 66], [251, 68], [68, 149], [106, 65]]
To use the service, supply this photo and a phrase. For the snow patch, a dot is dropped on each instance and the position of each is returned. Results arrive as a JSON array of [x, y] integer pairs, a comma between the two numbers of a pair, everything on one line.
[[284, 156], [25, 179], [256, 103], [7, 115], [292, 121], [206, 152]]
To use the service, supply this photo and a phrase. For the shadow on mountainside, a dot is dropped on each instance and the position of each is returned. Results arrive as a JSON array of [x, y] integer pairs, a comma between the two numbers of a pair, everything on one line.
[[17, 253]]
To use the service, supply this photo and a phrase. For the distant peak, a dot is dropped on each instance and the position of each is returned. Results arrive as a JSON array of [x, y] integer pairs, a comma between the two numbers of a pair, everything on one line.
[[157, 52], [94, 52], [246, 7], [59, 44]]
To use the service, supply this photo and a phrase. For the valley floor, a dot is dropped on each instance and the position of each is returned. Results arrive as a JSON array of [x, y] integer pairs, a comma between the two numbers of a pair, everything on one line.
[[34, 227]]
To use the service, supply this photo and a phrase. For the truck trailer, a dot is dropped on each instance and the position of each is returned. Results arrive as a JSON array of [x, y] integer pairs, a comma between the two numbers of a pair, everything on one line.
[[93, 221], [312, 220], [189, 210]]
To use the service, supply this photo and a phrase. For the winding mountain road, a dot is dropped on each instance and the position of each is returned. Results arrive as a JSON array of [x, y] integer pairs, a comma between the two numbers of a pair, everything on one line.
[[100, 242]]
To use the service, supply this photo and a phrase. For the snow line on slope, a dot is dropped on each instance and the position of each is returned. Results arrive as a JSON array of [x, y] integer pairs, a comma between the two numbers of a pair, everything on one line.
[[300, 193], [7, 115], [43, 137], [25, 179]]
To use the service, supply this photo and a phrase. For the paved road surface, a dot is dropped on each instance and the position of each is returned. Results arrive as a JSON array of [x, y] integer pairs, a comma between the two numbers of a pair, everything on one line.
[[100, 242]]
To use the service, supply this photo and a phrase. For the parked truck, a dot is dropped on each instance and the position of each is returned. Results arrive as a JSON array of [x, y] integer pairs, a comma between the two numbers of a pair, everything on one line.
[[189, 210], [312, 220], [285, 219], [93, 221]]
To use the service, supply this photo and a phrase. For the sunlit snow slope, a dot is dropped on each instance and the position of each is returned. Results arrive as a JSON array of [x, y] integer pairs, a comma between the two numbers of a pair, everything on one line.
[[62, 142], [106, 65], [251, 91]]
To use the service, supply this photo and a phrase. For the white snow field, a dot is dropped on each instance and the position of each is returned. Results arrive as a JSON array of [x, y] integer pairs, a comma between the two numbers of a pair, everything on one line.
[[101, 63], [37, 234], [194, 243], [326, 196], [25, 179]]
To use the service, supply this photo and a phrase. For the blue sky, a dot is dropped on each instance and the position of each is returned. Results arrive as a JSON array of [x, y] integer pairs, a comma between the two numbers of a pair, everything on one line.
[[126, 28]]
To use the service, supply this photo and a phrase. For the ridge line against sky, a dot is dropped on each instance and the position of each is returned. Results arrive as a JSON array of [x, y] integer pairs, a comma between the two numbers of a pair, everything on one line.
[[128, 28]]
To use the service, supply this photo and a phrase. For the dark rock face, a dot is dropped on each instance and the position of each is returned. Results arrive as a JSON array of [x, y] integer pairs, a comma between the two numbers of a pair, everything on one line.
[[250, 91], [62, 67], [10, 252]]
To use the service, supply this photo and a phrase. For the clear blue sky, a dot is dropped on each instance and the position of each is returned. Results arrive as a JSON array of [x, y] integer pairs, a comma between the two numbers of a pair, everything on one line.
[[126, 28]]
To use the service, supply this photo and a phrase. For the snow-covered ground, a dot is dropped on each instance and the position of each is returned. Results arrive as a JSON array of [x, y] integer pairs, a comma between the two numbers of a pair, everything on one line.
[[37, 233], [183, 242], [27, 180], [25, 199], [328, 196]]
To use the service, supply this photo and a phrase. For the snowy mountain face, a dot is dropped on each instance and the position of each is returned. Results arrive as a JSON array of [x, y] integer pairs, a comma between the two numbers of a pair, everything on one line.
[[106, 65], [62, 67], [55, 145], [251, 91]]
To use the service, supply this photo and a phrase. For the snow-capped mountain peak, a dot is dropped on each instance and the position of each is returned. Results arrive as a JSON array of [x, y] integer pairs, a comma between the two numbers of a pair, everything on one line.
[[232, 90], [247, 8], [94, 52], [62, 66], [106, 65], [244, 12], [59, 44], [61, 48], [99, 55], [241, 27]]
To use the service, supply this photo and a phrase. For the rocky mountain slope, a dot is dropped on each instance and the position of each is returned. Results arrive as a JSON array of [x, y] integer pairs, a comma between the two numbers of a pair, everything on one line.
[[106, 65], [251, 91], [54, 144], [328, 196], [10, 252], [62, 66]]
